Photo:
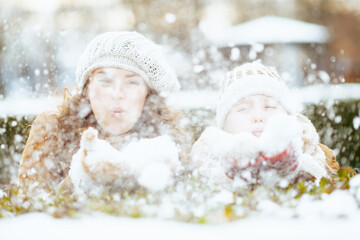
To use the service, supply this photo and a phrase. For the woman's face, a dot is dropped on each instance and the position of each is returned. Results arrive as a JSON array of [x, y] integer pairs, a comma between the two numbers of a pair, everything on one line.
[[251, 113], [117, 98]]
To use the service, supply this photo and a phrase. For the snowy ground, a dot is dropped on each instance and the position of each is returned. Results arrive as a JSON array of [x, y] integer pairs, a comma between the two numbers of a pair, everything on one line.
[[336, 216], [40, 226]]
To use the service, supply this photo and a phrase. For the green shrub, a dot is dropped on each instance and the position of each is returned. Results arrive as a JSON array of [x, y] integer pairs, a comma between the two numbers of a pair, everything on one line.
[[14, 132], [334, 122]]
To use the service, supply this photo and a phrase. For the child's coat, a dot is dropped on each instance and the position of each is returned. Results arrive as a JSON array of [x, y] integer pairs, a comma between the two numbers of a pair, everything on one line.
[[210, 154]]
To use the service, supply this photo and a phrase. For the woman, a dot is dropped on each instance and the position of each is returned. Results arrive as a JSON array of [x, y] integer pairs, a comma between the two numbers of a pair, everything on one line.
[[120, 77]]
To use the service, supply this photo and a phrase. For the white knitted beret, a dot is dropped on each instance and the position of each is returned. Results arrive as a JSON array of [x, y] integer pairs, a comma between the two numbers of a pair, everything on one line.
[[249, 79], [130, 51]]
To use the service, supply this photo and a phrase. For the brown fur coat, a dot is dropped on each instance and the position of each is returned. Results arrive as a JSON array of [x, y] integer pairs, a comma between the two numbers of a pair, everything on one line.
[[47, 155]]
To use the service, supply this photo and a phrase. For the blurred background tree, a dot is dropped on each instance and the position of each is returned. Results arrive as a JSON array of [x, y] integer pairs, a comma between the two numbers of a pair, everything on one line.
[[42, 40]]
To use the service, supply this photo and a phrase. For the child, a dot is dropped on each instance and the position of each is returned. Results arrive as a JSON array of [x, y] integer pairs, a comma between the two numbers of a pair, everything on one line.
[[259, 133]]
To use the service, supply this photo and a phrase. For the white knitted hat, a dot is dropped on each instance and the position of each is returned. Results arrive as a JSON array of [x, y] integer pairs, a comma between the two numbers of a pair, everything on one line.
[[129, 51], [249, 79]]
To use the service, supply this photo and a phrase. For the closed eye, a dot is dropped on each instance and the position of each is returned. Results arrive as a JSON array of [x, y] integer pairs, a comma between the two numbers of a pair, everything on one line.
[[104, 80], [241, 109], [270, 107], [133, 82]]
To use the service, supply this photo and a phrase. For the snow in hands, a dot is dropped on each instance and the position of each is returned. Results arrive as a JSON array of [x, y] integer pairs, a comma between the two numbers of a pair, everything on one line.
[[258, 159], [151, 163]]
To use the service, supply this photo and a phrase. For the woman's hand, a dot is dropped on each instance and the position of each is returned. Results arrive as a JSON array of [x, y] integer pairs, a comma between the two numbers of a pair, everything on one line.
[[96, 162]]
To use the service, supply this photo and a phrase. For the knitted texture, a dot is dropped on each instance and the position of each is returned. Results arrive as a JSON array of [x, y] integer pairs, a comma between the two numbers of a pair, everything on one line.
[[129, 51], [308, 165], [249, 79]]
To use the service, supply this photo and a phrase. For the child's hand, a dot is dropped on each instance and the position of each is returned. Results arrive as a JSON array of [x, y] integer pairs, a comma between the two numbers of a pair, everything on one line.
[[282, 145], [284, 163], [277, 149], [238, 166], [243, 153], [309, 134]]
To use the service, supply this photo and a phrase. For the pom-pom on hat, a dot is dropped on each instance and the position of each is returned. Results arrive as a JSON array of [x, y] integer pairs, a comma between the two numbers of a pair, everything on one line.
[[130, 51], [250, 79]]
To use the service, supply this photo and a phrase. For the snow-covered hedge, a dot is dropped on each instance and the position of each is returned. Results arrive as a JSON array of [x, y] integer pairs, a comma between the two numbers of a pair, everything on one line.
[[192, 201], [338, 123], [13, 135]]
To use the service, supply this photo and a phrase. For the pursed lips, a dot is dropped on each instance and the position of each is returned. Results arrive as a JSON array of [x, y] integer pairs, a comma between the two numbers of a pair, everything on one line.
[[257, 132], [117, 111]]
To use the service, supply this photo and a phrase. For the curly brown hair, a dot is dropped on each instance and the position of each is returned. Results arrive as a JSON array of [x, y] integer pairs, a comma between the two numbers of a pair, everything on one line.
[[75, 116]]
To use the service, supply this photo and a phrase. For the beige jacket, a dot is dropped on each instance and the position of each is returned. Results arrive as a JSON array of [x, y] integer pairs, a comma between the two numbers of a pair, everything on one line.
[[43, 162]]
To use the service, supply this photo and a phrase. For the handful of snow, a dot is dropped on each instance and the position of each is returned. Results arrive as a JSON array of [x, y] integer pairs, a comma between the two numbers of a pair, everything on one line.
[[278, 148], [93, 158], [282, 132], [279, 132], [152, 163]]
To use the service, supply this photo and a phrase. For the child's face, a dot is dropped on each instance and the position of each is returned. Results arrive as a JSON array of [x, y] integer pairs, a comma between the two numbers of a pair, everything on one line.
[[251, 113]]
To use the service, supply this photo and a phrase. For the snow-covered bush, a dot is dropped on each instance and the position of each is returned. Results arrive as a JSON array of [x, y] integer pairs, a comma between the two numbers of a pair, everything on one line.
[[13, 135], [190, 201], [338, 124]]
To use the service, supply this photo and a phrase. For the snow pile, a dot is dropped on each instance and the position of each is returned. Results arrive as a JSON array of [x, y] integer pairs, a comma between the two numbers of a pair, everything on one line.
[[268, 208], [338, 204], [98, 164], [355, 187], [327, 92], [107, 227], [2, 194], [27, 106], [271, 30]]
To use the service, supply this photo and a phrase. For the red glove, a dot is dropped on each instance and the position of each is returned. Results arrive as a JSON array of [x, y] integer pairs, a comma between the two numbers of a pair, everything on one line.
[[284, 163], [234, 167]]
